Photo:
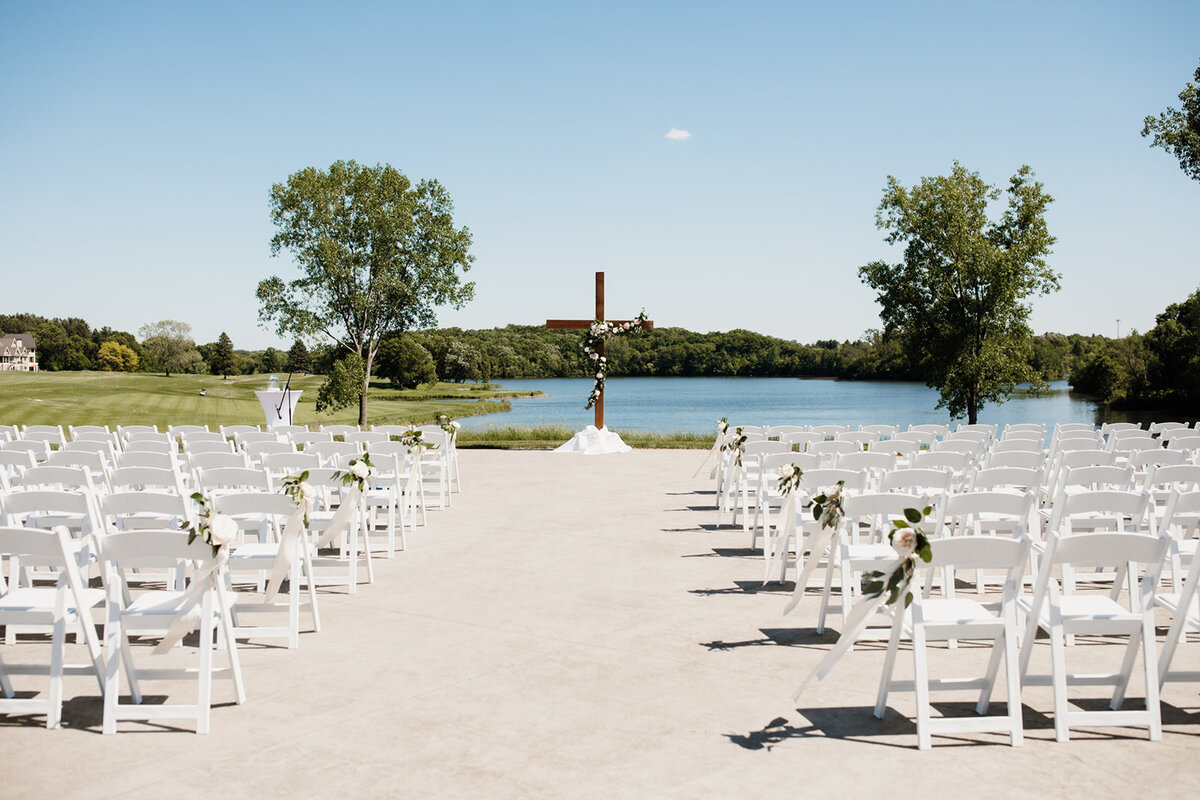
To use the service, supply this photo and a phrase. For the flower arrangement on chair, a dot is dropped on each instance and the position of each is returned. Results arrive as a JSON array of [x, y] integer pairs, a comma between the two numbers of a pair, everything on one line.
[[215, 530], [910, 543], [412, 438], [826, 507], [600, 332], [301, 491], [359, 470], [448, 424], [737, 444]]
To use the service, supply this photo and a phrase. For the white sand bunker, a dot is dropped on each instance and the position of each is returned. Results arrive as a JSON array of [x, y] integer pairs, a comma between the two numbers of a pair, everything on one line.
[[594, 442]]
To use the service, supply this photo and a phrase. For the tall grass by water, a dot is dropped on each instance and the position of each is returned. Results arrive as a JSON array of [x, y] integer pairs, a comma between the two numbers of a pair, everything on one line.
[[547, 437]]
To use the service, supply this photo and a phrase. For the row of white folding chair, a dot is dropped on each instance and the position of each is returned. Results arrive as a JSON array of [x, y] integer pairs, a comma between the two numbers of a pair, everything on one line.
[[52, 435], [1059, 612], [949, 618], [66, 608]]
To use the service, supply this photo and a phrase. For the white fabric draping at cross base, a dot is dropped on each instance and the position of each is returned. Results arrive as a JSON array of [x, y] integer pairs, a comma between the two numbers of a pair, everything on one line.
[[594, 442]]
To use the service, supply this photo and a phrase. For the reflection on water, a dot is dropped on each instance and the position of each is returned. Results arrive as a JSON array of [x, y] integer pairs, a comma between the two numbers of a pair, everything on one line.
[[695, 404]]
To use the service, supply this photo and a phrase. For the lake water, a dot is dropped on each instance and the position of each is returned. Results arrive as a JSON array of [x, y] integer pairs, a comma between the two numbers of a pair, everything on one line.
[[695, 404]]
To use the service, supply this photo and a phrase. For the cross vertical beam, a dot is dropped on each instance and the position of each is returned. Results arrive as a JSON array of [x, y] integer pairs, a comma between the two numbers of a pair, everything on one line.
[[584, 324], [599, 407]]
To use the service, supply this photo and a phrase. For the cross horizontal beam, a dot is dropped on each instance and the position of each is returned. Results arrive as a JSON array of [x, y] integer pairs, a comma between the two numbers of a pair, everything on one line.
[[584, 324]]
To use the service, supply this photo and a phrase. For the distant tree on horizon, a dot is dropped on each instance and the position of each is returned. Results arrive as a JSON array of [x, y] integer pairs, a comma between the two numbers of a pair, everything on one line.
[[169, 346], [116, 357], [405, 363], [958, 298], [221, 360], [298, 358]]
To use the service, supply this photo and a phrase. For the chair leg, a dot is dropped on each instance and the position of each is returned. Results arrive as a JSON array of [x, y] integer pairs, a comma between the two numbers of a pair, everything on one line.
[[1059, 677], [112, 669], [5, 686], [827, 592], [1012, 679], [999, 650], [1131, 651], [1150, 666], [57, 639], [921, 685], [889, 666], [204, 676]]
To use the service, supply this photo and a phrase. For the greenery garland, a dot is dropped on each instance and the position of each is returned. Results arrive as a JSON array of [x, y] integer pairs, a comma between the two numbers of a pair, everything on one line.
[[600, 332]]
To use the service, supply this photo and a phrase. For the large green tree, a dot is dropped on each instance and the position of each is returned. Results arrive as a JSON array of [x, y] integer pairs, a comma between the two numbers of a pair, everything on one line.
[[375, 253], [1177, 130], [168, 345], [404, 362], [221, 360], [298, 358], [958, 298]]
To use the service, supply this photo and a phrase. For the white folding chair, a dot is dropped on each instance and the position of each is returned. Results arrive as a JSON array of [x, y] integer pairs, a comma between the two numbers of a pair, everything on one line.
[[861, 545], [271, 558], [202, 607], [342, 567], [1061, 612], [950, 618], [65, 607], [1183, 601]]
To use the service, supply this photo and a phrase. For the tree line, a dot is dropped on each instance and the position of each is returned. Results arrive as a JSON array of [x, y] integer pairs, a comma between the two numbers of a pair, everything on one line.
[[165, 346], [1158, 369]]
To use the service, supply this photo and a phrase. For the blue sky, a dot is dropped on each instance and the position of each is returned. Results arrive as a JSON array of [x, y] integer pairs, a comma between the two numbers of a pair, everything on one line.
[[139, 142]]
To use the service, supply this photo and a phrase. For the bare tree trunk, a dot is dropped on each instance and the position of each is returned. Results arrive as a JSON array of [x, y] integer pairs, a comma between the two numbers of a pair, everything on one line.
[[362, 400]]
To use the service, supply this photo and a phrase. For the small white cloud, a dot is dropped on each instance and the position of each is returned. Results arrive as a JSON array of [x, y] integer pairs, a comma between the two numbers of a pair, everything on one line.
[[677, 135]]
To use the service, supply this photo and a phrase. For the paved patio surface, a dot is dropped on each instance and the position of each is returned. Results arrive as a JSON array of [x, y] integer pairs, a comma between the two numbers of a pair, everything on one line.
[[577, 627]]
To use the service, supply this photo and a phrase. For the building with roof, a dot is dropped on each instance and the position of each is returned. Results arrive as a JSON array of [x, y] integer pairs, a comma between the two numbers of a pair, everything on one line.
[[18, 353]]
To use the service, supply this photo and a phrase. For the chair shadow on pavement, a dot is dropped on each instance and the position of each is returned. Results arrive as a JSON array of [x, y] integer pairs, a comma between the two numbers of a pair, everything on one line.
[[726, 552], [779, 637], [745, 588], [858, 723]]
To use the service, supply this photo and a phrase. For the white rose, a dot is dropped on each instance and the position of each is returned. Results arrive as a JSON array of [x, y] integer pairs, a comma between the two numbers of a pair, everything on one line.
[[595, 356], [222, 530], [360, 470], [599, 375], [456, 424], [904, 541], [786, 472]]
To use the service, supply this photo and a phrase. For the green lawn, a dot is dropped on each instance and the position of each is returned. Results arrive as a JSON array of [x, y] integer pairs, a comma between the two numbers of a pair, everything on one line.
[[116, 398], [112, 398]]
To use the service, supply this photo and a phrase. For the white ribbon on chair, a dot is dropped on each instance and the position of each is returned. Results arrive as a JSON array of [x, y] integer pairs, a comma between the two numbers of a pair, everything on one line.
[[341, 518], [187, 615], [860, 615], [288, 544], [820, 540]]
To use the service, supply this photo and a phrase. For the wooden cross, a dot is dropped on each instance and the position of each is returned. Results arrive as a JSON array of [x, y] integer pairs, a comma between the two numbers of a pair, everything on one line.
[[584, 324]]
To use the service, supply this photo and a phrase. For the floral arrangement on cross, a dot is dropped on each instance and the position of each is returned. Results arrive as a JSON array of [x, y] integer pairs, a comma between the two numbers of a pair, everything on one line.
[[593, 341]]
